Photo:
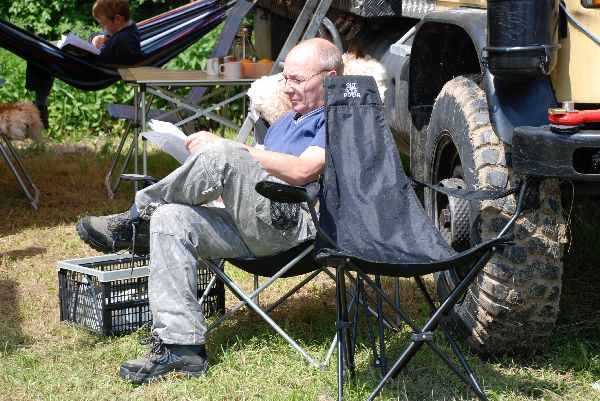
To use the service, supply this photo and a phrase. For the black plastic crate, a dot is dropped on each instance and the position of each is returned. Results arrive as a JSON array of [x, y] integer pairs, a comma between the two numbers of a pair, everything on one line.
[[109, 294]]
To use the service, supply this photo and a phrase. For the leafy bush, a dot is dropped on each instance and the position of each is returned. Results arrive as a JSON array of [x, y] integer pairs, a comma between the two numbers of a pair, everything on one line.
[[49, 19], [74, 113]]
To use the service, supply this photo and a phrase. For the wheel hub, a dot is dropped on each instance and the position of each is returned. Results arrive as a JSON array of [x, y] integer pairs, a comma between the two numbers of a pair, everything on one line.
[[453, 220]]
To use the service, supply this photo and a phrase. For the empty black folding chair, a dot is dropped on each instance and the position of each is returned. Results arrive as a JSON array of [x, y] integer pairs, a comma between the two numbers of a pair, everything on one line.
[[371, 222]]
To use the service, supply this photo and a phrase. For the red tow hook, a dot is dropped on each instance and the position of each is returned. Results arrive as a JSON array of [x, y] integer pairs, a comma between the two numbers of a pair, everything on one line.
[[576, 117]]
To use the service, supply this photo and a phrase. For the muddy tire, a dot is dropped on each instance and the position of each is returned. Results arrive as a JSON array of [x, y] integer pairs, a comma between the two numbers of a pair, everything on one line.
[[512, 306]]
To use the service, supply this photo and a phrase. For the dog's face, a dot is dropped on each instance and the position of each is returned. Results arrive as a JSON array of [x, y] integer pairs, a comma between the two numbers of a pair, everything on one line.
[[267, 97]]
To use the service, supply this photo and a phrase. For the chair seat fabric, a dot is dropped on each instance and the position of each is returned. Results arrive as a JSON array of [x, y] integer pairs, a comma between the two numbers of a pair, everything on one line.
[[267, 266], [410, 269]]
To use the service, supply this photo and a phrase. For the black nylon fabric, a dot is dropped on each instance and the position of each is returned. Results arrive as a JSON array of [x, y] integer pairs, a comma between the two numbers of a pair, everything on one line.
[[268, 266], [469, 194], [369, 209]]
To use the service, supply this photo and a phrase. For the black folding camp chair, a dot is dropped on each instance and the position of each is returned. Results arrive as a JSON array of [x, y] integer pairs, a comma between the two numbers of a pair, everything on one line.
[[294, 262], [371, 223]]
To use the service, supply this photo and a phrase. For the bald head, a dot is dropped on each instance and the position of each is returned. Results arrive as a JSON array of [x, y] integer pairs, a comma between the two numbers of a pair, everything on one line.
[[318, 54], [306, 65]]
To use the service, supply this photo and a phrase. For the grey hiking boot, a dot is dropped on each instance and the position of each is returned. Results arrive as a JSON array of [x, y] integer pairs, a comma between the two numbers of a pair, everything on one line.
[[189, 361], [114, 233]]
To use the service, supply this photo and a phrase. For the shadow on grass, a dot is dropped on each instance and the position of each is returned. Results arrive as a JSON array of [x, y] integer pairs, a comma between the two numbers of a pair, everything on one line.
[[71, 185], [11, 335], [23, 253]]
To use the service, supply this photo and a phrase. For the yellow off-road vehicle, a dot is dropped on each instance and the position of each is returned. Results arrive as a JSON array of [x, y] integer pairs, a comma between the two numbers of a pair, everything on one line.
[[471, 88]]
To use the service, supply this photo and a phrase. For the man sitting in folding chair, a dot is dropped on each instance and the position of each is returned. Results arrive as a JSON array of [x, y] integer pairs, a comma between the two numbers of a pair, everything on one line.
[[180, 230]]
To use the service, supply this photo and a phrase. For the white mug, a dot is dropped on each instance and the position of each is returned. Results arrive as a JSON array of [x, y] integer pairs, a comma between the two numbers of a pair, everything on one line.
[[231, 70], [212, 65]]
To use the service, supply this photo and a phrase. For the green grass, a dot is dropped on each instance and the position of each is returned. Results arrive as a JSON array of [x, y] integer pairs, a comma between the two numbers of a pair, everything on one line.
[[43, 358]]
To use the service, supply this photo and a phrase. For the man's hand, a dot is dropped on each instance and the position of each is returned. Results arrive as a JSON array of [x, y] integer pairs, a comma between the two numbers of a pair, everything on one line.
[[98, 41], [197, 140]]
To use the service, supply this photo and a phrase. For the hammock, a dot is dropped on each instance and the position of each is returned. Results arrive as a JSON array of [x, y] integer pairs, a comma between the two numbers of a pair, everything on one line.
[[162, 38]]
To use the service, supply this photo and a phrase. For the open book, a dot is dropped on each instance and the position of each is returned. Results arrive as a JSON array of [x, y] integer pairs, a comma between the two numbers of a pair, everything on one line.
[[169, 138], [72, 42]]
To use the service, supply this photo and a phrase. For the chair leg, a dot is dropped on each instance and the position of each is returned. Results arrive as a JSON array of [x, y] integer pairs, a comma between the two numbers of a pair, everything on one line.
[[367, 304], [345, 357], [467, 375], [471, 380], [247, 300], [424, 335], [256, 299], [397, 298], [383, 358], [112, 184], [27, 184]]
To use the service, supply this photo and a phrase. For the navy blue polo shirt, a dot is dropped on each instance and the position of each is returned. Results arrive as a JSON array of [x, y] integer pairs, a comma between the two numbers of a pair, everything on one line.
[[293, 133]]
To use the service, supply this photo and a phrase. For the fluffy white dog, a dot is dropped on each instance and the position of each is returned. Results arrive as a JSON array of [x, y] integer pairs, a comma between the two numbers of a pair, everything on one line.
[[354, 65], [268, 99], [20, 121]]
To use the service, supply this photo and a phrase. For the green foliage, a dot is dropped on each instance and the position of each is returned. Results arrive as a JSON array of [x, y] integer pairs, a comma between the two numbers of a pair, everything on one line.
[[74, 113], [49, 19]]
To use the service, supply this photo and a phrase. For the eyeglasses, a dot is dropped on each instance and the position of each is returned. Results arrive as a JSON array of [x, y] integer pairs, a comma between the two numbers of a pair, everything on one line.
[[296, 83]]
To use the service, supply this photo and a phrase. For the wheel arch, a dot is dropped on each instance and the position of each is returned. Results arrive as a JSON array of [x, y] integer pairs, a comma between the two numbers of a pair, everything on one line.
[[446, 44], [449, 43]]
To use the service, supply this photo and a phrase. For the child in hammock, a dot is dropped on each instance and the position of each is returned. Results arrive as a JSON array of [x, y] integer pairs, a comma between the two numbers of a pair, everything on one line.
[[121, 42], [119, 45]]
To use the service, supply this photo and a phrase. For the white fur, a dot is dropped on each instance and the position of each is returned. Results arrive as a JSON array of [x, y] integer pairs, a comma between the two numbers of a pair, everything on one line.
[[20, 121], [354, 65], [268, 99]]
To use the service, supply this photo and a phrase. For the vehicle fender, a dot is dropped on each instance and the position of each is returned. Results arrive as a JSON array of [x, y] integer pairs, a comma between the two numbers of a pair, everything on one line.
[[510, 104]]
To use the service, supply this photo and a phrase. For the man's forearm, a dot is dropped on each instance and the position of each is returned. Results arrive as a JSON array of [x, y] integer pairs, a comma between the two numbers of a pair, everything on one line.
[[296, 170], [291, 169]]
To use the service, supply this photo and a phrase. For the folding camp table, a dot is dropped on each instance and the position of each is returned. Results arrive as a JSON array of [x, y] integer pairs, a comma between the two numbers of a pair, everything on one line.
[[160, 83]]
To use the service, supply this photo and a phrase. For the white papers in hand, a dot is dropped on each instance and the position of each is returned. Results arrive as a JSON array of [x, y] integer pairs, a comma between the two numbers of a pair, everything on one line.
[[169, 138]]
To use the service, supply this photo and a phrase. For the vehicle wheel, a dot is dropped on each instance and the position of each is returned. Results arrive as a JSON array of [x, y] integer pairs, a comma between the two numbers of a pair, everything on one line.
[[512, 306]]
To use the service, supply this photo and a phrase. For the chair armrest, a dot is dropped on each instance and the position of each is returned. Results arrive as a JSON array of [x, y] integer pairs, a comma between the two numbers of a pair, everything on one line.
[[145, 179], [284, 193]]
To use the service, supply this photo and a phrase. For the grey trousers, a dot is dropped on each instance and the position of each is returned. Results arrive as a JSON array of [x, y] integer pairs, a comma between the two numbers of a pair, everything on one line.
[[181, 231]]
